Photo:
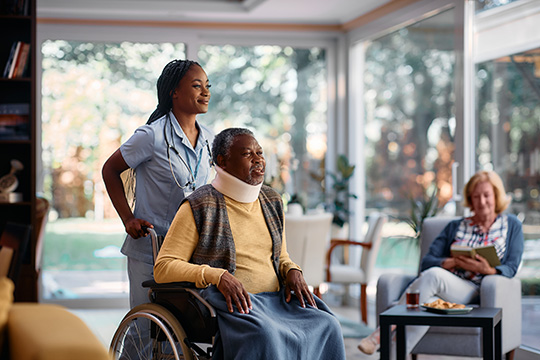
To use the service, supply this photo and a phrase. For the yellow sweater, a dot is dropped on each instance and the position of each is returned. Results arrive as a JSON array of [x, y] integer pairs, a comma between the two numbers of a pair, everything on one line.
[[253, 246]]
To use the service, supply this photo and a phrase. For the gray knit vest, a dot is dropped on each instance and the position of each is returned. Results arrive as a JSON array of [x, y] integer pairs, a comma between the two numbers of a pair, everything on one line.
[[216, 244]]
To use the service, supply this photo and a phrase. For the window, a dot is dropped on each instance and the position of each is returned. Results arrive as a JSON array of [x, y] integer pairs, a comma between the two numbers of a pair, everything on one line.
[[410, 123], [409, 119], [94, 95], [508, 112], [482, 5], [279, 92]]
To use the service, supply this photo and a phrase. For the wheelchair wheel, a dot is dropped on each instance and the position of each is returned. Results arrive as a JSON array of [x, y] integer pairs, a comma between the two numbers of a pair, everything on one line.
[[150, 332]]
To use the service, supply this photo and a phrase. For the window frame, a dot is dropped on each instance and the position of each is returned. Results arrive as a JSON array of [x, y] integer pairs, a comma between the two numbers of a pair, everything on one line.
[[193, 39], [385, 25]]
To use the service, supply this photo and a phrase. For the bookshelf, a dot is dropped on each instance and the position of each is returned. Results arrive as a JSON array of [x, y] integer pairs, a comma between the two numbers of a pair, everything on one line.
[[17, 133]]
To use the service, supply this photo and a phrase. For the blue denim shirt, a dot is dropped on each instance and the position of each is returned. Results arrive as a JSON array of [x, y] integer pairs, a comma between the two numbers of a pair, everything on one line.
[[158, 197]]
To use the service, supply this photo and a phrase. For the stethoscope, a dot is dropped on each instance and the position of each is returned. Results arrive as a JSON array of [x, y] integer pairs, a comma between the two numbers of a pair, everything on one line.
[[190, 185]]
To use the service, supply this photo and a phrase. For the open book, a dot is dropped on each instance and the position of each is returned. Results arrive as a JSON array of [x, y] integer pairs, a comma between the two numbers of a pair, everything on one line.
[[488, 252]]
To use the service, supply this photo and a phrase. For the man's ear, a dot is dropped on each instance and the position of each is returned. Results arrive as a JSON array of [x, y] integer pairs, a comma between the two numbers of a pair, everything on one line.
[[221, 161]]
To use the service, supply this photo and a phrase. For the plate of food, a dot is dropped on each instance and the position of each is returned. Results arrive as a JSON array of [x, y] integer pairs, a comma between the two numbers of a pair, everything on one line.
[[445, 307]]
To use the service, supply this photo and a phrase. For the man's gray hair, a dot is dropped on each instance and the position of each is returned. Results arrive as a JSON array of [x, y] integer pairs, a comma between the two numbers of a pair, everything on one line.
[[223, 141]]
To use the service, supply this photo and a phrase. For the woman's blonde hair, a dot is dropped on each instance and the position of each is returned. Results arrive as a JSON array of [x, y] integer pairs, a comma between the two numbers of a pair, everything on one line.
[[501, 200]]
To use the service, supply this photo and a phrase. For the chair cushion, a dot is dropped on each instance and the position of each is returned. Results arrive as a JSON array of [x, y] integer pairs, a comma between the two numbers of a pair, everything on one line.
[[347, 274], [6, 300], [47, 332]]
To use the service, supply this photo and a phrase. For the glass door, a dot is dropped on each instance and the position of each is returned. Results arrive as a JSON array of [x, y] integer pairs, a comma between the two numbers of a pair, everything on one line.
[[94, 95], [409, 127], [508, 113]]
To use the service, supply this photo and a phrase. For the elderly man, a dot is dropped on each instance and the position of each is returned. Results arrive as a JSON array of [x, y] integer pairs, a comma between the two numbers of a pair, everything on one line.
[[228, 238]]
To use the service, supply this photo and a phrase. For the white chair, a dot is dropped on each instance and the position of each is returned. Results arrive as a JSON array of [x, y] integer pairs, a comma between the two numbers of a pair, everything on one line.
[[358, 272], [307, 239]]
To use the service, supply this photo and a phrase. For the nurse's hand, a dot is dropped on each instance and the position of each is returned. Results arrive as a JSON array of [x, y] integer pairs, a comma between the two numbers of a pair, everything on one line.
[[137, 228]]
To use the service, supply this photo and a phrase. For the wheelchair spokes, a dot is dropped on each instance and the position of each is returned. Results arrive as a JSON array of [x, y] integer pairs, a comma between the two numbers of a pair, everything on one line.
[[150, 332]]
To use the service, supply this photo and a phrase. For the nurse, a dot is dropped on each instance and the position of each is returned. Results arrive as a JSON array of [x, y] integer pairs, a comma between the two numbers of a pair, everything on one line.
[[168, 158]]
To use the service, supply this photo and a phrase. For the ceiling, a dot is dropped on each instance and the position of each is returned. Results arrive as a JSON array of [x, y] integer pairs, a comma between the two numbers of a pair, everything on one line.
[[312, 12]]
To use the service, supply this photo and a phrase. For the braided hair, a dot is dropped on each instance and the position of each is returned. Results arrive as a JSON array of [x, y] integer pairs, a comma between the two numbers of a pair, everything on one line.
[[172, 73]]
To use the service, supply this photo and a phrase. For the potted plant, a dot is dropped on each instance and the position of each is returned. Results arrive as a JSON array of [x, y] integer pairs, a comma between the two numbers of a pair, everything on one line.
[[340, 194], [422, 208], [337, 195]]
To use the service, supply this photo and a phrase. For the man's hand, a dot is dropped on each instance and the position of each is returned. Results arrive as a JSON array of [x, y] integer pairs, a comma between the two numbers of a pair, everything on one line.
[[234, 291], [295, 282], [137, 228]]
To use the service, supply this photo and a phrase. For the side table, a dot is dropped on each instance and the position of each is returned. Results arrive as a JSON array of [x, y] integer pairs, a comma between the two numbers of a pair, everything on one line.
[[489, 319]]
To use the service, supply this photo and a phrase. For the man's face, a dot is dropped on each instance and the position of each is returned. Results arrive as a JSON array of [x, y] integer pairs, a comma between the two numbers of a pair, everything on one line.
[[245, 160]]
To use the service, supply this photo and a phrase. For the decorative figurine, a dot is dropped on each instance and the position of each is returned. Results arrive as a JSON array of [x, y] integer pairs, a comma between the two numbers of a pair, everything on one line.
[[9, 182]]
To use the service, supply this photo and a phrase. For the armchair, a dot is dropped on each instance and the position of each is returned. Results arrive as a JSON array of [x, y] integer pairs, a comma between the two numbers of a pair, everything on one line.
[[307, 239], [495, 291], [363, 272], [14, 239]]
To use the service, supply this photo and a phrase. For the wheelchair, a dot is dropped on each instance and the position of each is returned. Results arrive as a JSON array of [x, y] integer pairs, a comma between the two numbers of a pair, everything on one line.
[[176, 324]]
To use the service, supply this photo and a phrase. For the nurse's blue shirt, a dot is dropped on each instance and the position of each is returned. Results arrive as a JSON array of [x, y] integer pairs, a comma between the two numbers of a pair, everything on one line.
[[158, 197]]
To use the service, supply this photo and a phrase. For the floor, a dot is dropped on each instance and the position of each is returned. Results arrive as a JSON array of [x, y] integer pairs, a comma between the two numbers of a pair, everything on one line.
[[104, 322]]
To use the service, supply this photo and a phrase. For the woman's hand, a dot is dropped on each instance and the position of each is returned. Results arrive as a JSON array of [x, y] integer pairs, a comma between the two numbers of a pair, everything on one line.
[[478, 264], [137, 228], [234, 292], [295, 282], [449, 263]]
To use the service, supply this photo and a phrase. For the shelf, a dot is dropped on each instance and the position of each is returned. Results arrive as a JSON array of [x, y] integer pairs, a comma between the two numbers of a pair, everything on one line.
[[20, 203], [15, 28], [23, 79], [15, 142], [15, 17]]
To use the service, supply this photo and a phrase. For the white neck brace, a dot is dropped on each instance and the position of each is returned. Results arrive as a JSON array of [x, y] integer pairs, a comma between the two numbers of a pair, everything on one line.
[[235, 188]]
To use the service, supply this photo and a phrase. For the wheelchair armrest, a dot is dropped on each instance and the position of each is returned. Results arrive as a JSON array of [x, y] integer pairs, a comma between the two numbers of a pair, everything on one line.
[[181, 286], [389, 289], [173, 285]]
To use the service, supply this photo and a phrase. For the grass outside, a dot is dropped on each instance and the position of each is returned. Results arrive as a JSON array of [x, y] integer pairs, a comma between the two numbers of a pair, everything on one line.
[[81, 244]]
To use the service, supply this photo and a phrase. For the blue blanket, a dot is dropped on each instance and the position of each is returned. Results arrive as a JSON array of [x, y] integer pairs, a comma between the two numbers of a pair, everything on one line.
[[275, 329]]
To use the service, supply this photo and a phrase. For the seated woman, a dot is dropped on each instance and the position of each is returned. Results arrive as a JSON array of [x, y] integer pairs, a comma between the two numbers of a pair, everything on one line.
[[457, 279]]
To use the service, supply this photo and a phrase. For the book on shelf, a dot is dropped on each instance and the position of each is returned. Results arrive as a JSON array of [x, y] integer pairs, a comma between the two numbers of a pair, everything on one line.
[[18, 60], [15, 7], [22, 61], [10, 58], [488, 252], [14, 121]]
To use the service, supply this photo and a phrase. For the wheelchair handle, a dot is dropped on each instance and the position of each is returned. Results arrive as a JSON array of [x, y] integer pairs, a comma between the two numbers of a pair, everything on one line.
[[156, 244]]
